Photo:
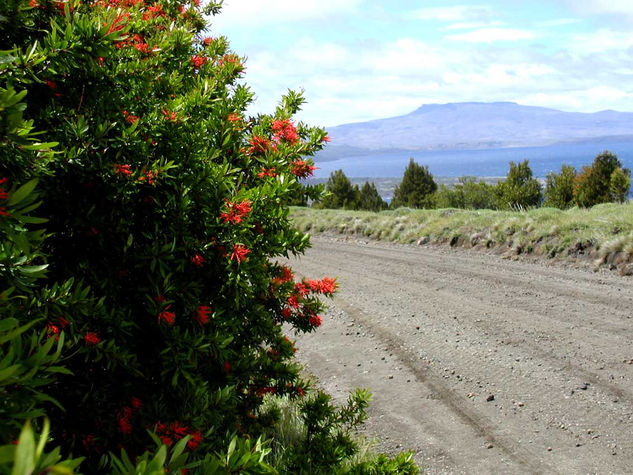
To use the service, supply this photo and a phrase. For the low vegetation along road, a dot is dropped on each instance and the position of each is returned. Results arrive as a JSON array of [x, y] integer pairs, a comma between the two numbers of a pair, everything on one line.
[[479, 364]]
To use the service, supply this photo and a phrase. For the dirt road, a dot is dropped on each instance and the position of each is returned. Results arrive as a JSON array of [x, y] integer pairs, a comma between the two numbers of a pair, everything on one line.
[[478, 364]]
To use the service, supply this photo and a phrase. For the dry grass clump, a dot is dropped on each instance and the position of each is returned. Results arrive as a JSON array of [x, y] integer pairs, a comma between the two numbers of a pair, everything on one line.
[[599, 232]]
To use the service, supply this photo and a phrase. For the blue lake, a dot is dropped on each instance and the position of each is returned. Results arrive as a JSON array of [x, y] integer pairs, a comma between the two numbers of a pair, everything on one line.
[[491, 162]]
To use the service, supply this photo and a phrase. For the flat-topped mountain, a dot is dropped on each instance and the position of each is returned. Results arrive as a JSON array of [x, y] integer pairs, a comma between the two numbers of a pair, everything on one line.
[[477, 125]]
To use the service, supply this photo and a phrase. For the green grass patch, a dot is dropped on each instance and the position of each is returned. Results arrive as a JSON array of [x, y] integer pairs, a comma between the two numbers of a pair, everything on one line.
[[600, 232]]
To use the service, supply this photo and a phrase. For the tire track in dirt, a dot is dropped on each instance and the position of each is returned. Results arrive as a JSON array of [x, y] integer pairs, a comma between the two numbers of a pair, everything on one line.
[[554, 356]]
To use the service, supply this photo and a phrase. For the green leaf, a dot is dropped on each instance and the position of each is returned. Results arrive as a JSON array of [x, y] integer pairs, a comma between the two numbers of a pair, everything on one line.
[[21, 193], [25, 452]]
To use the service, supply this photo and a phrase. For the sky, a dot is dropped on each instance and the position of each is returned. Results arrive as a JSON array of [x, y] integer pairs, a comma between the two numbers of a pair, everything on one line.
[[359, 60]]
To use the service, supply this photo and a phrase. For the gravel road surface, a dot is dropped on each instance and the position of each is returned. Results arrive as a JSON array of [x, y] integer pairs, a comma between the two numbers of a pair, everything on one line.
[[478, 364]]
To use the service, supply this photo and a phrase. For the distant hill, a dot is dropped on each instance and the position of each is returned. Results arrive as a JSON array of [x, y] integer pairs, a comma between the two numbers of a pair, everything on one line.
[[476, 125]]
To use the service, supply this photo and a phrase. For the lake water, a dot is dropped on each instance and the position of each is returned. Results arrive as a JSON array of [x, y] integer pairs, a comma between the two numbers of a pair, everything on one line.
[[492, 162]]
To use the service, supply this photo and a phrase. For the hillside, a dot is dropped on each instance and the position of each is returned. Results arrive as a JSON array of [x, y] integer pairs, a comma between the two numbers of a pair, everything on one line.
[[476, 125]]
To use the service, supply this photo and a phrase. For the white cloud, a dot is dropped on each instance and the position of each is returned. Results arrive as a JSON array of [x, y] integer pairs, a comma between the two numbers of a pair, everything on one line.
[[491, 35], [559, 22], [619, 7], [258, 12], [453, 13], [601, 41], [471, 25]]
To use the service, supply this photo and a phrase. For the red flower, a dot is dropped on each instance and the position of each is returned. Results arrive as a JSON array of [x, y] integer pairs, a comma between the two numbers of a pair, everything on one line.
[[167, 316], [227, 367], [160, 298], [92, 338], [203, 314], [315, 320], [198, 260], [259, 145], [301, 289], [286, 312], [236, 211], [285, 130], [136, 402], [301, 169], [124, 417], [287, 274], [119, 23], [207, 41], [63, 323], [267, 172], [326, 139], [196, 439], [170, 116], [293, 302], [52, 330], [153, 12], [94, 231], [33, 4], [120, 169], [233, 118], [239, 253], [198, 61]]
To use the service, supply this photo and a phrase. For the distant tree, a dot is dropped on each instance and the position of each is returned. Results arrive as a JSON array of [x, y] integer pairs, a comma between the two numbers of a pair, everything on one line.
[[369, 198], [559, 188], [449, 197], [593, 184], [520, 189], [416, 187], [620, 184], [477, 195], [341, 192]]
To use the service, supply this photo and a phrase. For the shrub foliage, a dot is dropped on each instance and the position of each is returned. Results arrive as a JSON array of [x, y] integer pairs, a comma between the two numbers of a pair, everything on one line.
[[148, 315]]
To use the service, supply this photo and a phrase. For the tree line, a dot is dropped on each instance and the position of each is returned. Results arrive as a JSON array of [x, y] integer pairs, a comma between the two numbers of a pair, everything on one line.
[[604, 181]]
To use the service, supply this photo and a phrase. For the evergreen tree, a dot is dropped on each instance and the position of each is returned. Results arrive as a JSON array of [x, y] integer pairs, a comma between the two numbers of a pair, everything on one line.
[[620, 184], [593, 184], [341, 192], [370, 199], [520, 189], [559, 188], [416, 188]]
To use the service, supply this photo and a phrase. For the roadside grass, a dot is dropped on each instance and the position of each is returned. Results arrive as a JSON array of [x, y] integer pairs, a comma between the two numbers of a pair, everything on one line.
[[603, 233]]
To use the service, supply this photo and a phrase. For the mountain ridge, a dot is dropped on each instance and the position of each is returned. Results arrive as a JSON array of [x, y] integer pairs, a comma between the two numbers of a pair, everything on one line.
[[476, 125]]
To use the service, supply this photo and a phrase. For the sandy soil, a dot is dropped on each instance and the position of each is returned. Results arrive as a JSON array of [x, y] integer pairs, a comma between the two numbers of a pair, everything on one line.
[[478, 364]]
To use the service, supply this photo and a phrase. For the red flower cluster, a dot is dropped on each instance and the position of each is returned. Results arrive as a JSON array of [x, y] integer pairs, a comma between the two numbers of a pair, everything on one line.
[[286, 276], [325, 286], [259, 145], [236, 211], [231, 59], [92, 338], [198, 60], [120, 169], [207, 41], [326, 139], [170, 433], [153, 11], [203, 314], [285, 130], [301, 169], [267, 172], [149, 175], [315, 320], [4, 194], [119, 23], [124, 417], [239, 253], [265, 390], [52, 85], [170, 116], [166, 316], [129, 117], [198, 260]]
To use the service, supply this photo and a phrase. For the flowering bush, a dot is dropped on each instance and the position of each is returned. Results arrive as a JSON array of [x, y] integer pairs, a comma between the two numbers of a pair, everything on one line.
[[161, 197], [149, 321]]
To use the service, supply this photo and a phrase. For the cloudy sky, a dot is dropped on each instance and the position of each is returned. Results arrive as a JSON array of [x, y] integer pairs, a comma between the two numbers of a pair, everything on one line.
[[359, 60]]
